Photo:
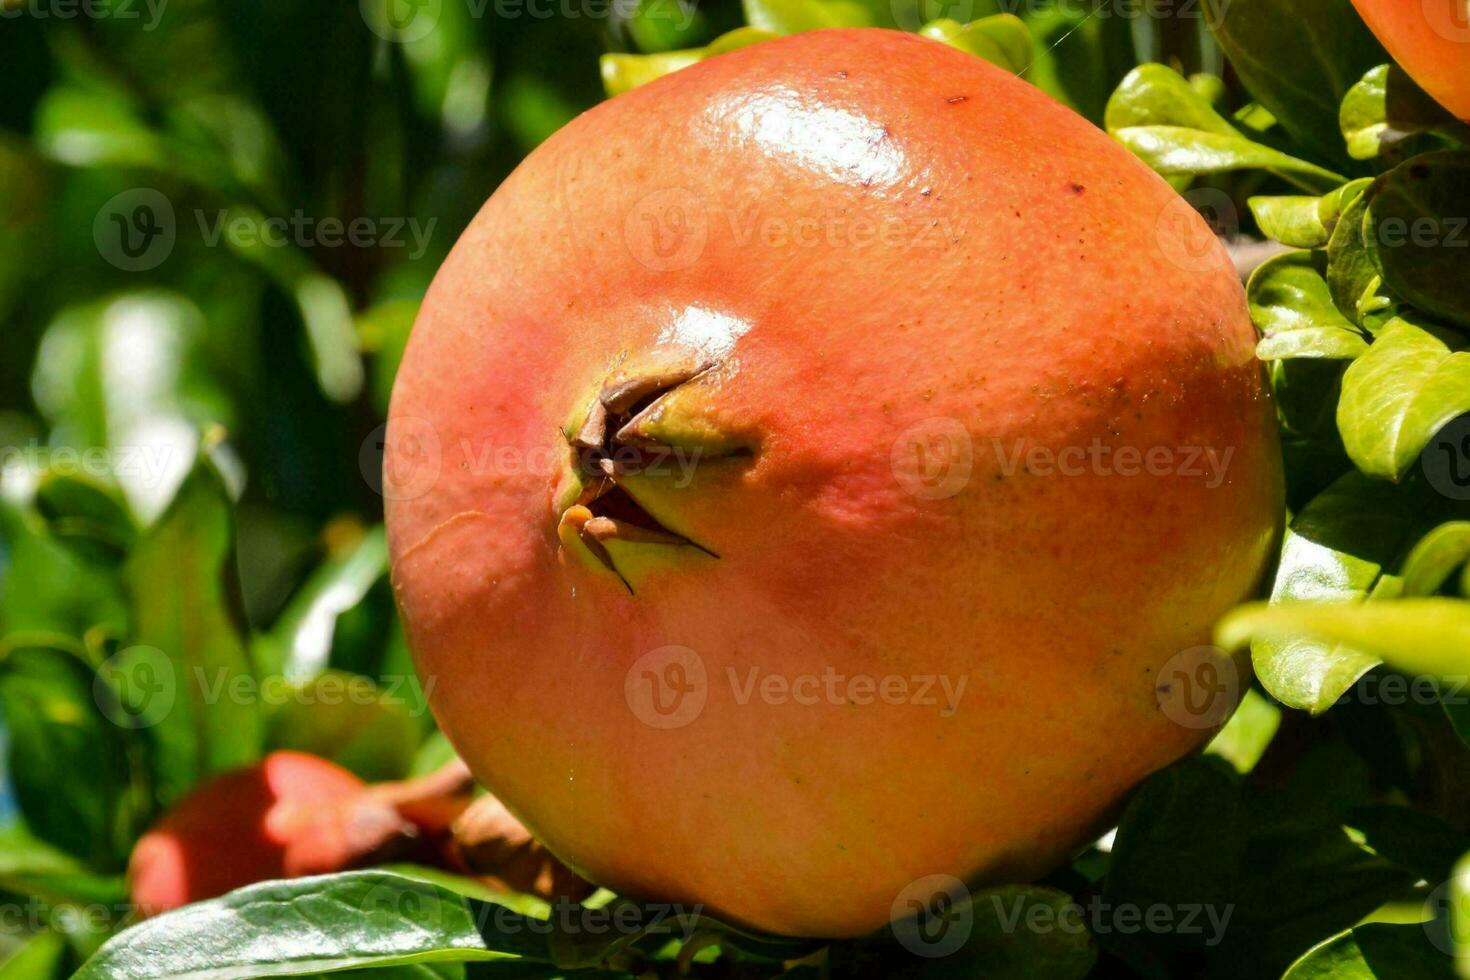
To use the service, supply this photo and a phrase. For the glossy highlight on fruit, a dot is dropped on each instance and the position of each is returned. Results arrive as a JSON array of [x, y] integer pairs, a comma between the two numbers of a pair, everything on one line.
[[1431, 40], [808, 472]]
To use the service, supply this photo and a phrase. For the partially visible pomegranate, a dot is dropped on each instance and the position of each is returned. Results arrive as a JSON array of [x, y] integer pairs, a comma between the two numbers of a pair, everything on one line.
[[292, 814], [1431, 40]]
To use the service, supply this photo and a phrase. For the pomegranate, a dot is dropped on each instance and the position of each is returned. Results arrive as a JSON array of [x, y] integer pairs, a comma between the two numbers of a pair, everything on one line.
[[808, 473], [1431, 40]]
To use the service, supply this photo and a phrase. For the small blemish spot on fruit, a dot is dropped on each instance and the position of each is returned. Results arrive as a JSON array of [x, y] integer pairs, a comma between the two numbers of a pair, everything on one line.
[[841, 73], [957, 99], [1075, 187]]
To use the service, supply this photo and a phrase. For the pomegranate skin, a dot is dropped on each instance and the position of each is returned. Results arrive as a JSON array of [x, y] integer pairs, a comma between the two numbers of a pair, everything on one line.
[[276, 819], [934, 307], [1431, 40]]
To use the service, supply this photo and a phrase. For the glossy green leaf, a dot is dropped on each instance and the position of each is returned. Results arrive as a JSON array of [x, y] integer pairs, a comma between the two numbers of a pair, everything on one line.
[[623, 72], [1422, 636], [1417, 231], [795, 16], [1292, 307], [1386, 108], [1375, 951], [298, 646], [1248, 733], [1412, 839], [311, 925], [1436, 557], [1411, 382], [1160, 117], [200, 704], [1293, 220], [1003, 40], [1353, 276], [1336, 549], [1298, 58]]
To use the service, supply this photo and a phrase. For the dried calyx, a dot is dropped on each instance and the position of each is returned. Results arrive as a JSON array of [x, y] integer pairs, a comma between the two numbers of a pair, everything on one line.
[[620, 437]]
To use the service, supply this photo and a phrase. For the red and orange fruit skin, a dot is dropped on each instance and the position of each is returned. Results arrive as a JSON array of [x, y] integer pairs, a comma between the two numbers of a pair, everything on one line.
[[1430, 39], [1044, 293]]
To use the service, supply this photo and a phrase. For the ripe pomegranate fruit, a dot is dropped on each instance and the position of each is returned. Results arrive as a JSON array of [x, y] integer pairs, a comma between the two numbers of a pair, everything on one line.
[[291, 814], [804, 468], [1430, 39]]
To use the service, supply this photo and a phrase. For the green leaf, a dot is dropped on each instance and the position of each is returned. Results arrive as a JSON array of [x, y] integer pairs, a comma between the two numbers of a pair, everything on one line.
[[346, 718], [1384, 109], [1435, 558], [85, 514], [1298, 58], [203, 713], [1164, 121], [311, 925], [69, 765], [1003, 39], [143, 425], [1292, 307], [1375, 951], [1294, 221], [1412, 382], [1415, 841], [40, 958], [1248, 733], [48, 587], [1428, 636], [30, 866], [1353, 276], [795, 16], [1417, 230], [1180, 840], [997, 949], [299, 645], [623, 72], [1336, 549]]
